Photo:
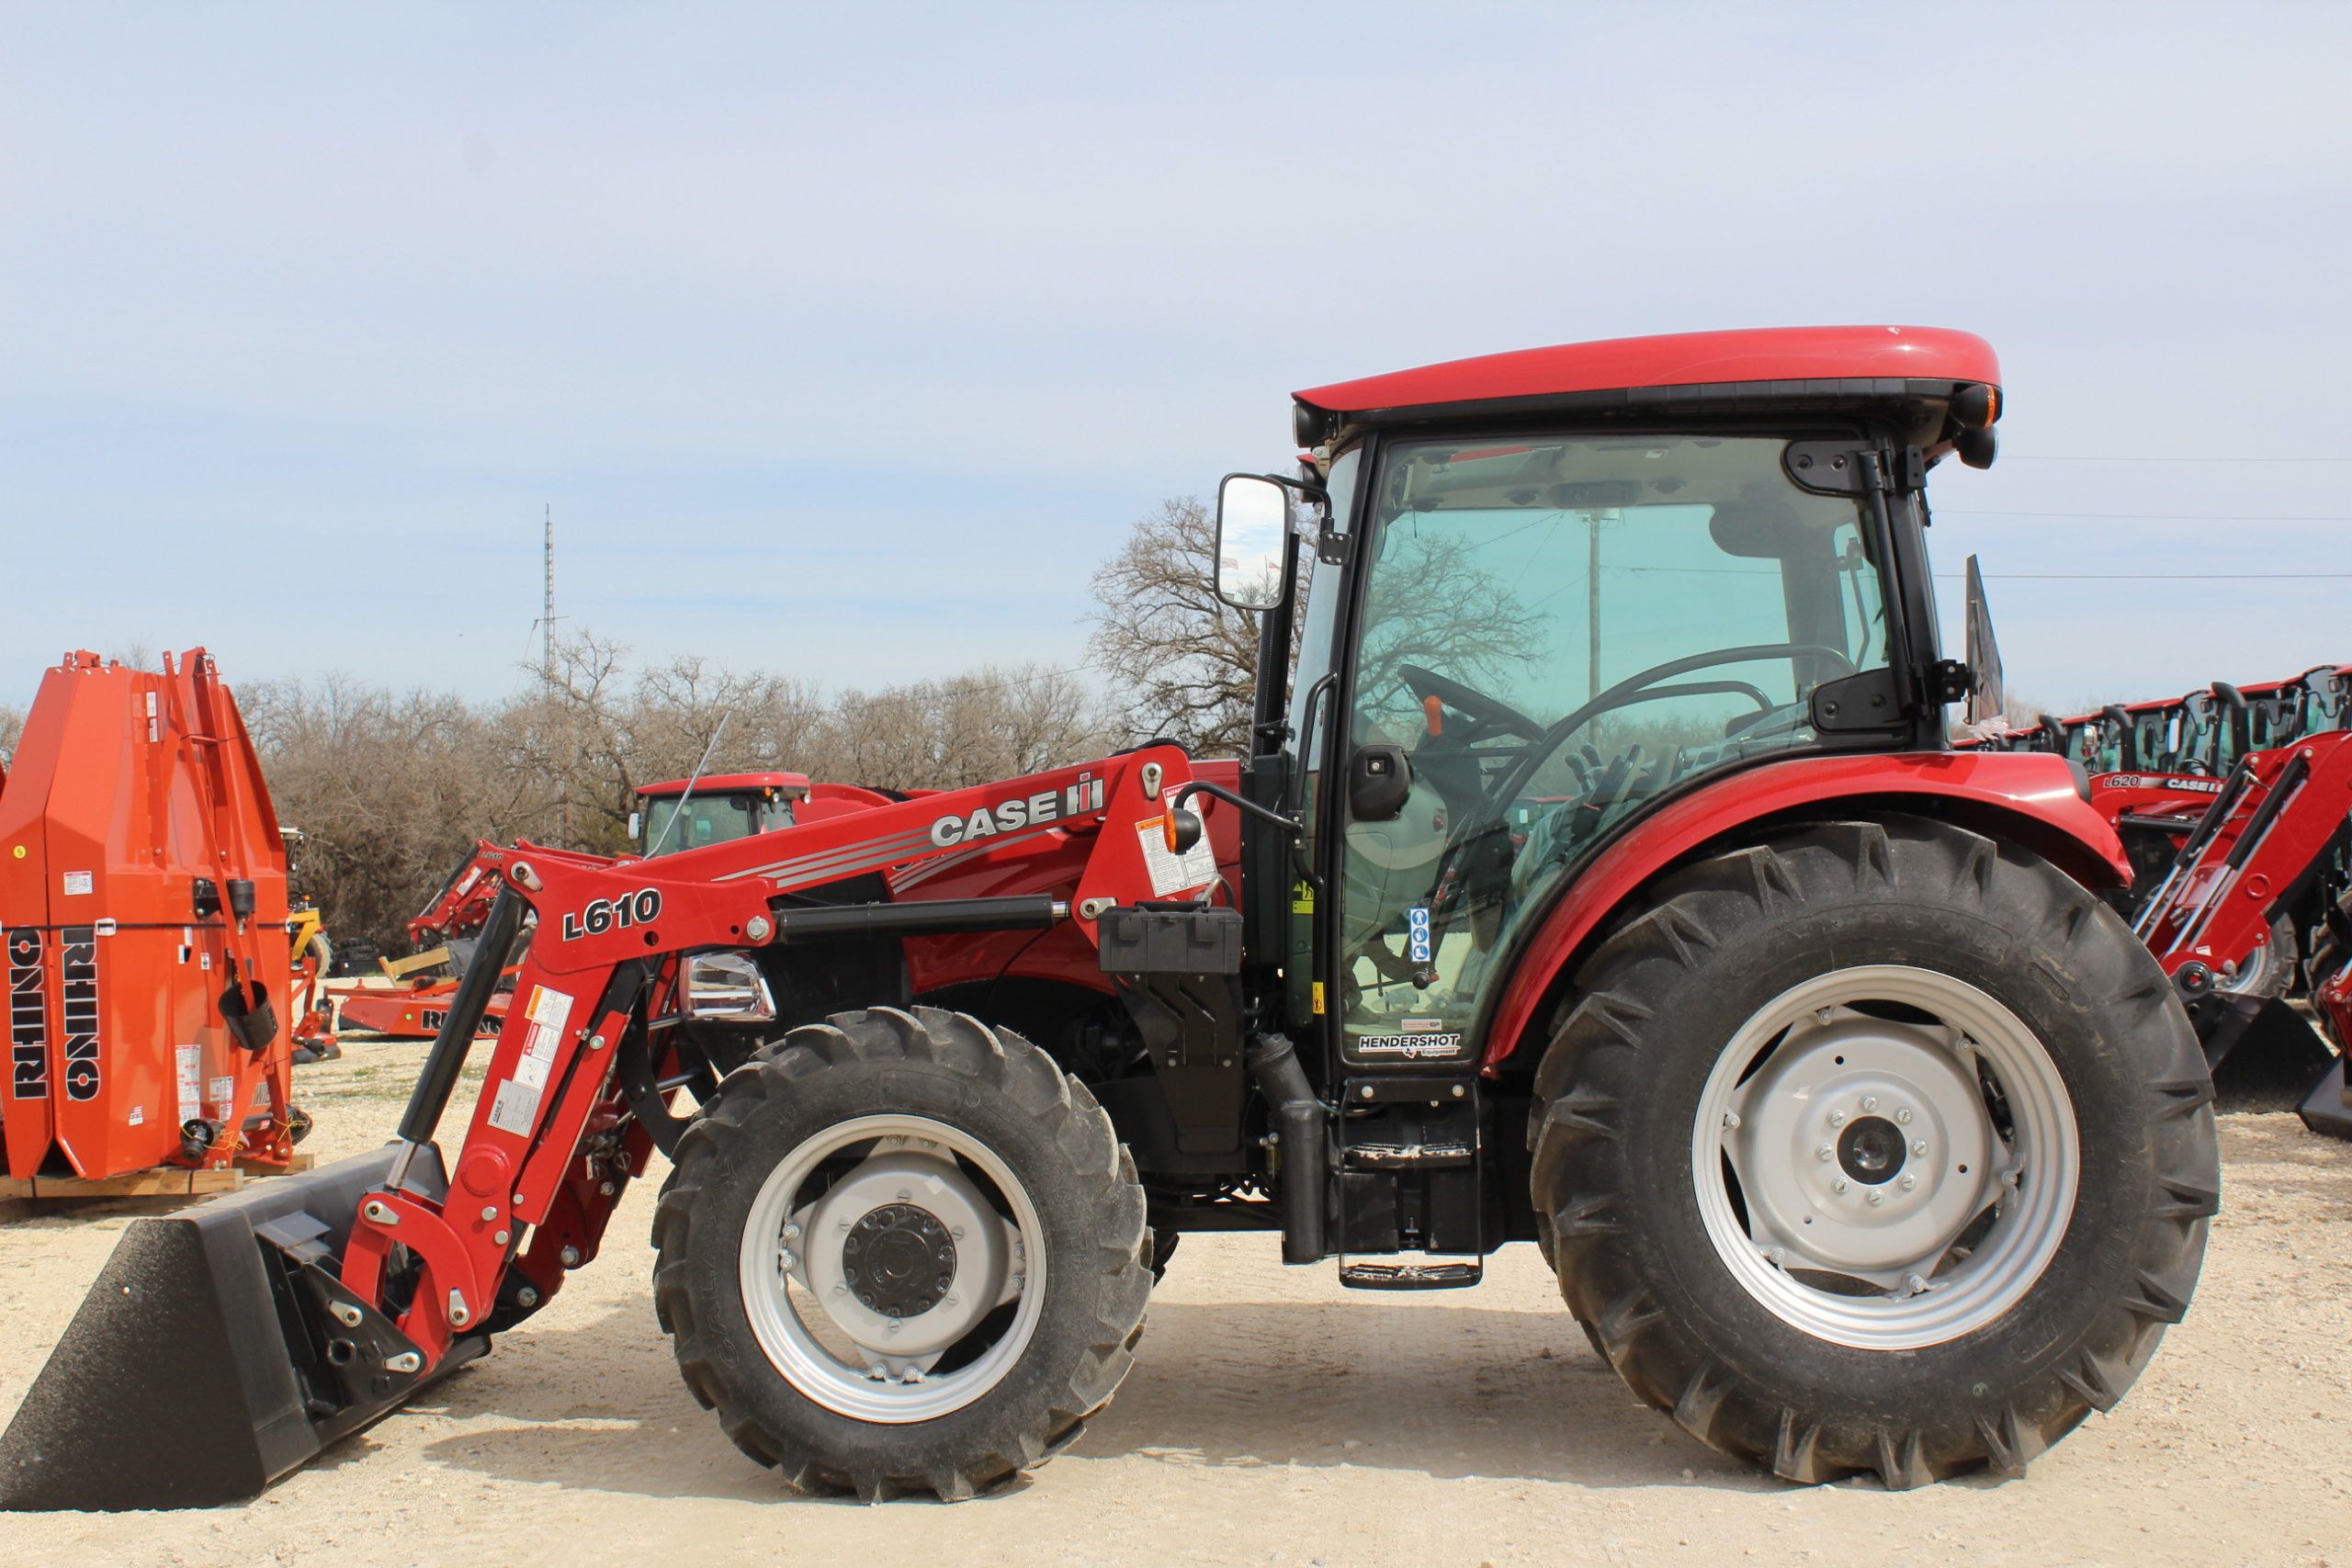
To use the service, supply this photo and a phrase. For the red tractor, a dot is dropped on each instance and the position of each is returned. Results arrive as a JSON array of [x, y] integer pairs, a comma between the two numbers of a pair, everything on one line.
[[1599, 878]]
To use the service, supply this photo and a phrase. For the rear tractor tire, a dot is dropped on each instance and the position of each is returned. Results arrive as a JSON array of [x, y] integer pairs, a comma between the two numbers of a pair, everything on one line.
[[1881, 1147], [900, 1251]]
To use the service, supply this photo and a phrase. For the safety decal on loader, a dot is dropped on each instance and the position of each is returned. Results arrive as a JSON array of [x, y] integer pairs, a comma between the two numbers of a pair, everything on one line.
[[516, 1108], [1170, 873]]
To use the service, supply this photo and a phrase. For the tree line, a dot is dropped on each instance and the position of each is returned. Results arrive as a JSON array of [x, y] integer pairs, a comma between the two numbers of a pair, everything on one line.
[[390, 788]]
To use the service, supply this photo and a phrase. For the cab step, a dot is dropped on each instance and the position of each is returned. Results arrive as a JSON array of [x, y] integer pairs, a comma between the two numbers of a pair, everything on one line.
[[1411, 1276]]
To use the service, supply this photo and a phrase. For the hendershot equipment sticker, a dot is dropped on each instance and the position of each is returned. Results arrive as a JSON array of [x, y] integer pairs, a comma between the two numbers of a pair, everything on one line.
[[1410, 1046]]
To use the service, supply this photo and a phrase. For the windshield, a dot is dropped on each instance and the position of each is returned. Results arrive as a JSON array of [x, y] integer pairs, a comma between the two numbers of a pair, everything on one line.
[[708, 819], [1556, 632]]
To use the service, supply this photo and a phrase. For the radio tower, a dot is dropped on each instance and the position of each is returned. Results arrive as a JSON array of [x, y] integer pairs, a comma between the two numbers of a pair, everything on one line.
[[546, 597], [547, 661]]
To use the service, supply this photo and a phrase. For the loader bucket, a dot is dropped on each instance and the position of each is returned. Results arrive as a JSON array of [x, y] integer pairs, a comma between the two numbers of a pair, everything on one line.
[[2327, 1109], [217, 1352]]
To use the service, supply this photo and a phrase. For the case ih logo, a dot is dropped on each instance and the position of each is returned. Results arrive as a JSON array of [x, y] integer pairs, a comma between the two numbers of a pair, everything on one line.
[[1022, 811], [27, 1019], [78, 968]]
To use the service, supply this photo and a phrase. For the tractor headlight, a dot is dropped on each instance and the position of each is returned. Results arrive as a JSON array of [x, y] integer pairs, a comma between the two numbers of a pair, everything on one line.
[[728, 988]]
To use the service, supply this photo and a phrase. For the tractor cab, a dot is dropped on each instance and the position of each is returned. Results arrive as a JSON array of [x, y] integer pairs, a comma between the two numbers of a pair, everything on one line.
[[1539, 609], [692, 814]]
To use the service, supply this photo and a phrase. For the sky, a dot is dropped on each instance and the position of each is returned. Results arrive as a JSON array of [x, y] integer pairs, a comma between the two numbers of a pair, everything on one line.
[[846, 340]]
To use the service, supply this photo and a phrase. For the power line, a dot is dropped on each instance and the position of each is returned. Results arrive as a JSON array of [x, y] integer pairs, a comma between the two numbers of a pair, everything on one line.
[[2137, 516], [2186, 578], [2053, 457]]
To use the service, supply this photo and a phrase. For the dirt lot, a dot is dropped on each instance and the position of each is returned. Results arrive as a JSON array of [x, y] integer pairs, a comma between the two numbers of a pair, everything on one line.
[[1274, 1418]]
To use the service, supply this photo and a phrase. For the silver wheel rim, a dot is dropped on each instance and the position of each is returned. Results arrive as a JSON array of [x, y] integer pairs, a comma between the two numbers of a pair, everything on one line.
[[1816, 1113], [824, 1318], [2254, 977]]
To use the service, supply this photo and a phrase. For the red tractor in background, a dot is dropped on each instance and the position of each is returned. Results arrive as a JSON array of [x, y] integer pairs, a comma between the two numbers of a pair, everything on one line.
[[681, 814], [1599, 878]]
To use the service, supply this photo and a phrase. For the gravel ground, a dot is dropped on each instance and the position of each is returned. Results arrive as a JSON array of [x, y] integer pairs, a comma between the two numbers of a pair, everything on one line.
[[1275, 1418]]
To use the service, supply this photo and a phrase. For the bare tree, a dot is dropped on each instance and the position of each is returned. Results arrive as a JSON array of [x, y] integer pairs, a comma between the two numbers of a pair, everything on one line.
[[12, 732], [590, 730], [964, 730], [1182, 663], [387, 790]]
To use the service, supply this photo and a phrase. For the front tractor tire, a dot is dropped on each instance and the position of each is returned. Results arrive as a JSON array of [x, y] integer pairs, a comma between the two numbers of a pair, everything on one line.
[[899, 1252], [1879, 1147]]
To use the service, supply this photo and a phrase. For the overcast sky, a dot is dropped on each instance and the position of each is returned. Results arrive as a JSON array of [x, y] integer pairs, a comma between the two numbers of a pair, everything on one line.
[[847, 340]]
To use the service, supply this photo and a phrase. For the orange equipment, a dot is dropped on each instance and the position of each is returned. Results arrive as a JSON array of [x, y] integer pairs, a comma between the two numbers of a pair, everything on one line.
[[142, 897]]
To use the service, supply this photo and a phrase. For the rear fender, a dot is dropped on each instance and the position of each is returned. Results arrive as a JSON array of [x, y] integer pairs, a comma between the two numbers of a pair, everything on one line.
[[2029, 797]]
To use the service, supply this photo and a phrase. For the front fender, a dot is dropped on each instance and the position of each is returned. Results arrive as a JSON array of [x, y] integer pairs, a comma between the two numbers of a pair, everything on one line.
[[2028, 796]]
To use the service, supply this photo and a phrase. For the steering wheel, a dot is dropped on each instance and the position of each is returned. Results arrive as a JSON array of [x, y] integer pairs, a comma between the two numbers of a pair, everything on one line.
[[1492, 715], [1631, 689]]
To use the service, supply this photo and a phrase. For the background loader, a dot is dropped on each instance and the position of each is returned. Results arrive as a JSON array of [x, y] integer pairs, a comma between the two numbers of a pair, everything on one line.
[[1599, 878]]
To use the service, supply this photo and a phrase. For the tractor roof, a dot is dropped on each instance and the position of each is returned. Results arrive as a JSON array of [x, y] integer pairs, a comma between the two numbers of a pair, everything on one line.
[[728, 783], [1723, 369]]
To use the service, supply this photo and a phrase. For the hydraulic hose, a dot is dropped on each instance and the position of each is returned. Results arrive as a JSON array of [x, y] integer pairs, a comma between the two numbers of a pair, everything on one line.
[[451, 1047]]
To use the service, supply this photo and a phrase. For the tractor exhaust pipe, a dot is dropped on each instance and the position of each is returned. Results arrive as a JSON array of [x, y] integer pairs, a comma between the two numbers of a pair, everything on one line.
[[1300, 1117], [218, 1351]]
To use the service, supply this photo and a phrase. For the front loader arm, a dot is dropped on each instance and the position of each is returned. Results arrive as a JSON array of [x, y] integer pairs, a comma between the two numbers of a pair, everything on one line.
[[549, 1146]]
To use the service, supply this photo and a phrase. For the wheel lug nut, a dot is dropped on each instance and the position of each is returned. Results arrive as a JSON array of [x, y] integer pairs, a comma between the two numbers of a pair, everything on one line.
[[1919, 1145], [785, 1260], [1913, 1283], [1731, 1119], [1837, 1119], [1908, 1181], [1840, 1185], [1877, 1197], [1903, 1115], [1870, 1102], [1822, 1016], [792, 1233], [1825, 1152]]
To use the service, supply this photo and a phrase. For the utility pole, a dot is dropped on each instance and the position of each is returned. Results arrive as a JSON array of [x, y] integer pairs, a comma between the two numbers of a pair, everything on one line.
[[1593, 606]]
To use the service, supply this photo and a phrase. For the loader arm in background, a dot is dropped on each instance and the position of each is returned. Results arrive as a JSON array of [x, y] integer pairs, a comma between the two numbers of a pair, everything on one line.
[[2272, 827]]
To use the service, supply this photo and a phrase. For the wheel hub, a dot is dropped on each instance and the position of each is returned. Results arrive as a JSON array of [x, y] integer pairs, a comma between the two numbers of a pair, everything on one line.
[[1871, 1150], [1862, 1144], [898, 1260]]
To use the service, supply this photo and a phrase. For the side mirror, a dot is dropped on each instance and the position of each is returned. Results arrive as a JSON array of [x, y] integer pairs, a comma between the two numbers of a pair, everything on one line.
[[636, 825], [1253, 535]]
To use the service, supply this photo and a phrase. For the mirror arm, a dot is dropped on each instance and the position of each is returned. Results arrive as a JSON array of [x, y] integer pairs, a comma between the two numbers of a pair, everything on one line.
[[1290, 825]]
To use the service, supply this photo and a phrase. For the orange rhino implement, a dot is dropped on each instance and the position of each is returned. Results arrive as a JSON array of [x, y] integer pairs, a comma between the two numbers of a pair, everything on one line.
[[142, 903]]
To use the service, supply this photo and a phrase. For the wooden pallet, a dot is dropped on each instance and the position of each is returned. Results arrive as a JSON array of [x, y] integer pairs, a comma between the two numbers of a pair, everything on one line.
[[164, 1181]]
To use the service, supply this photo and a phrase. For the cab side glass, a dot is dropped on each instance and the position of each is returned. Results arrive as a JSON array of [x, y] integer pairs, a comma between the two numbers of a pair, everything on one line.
[[1253, 531]]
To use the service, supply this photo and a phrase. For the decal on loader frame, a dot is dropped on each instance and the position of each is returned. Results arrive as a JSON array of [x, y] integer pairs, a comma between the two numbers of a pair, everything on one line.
[[637, 909]]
